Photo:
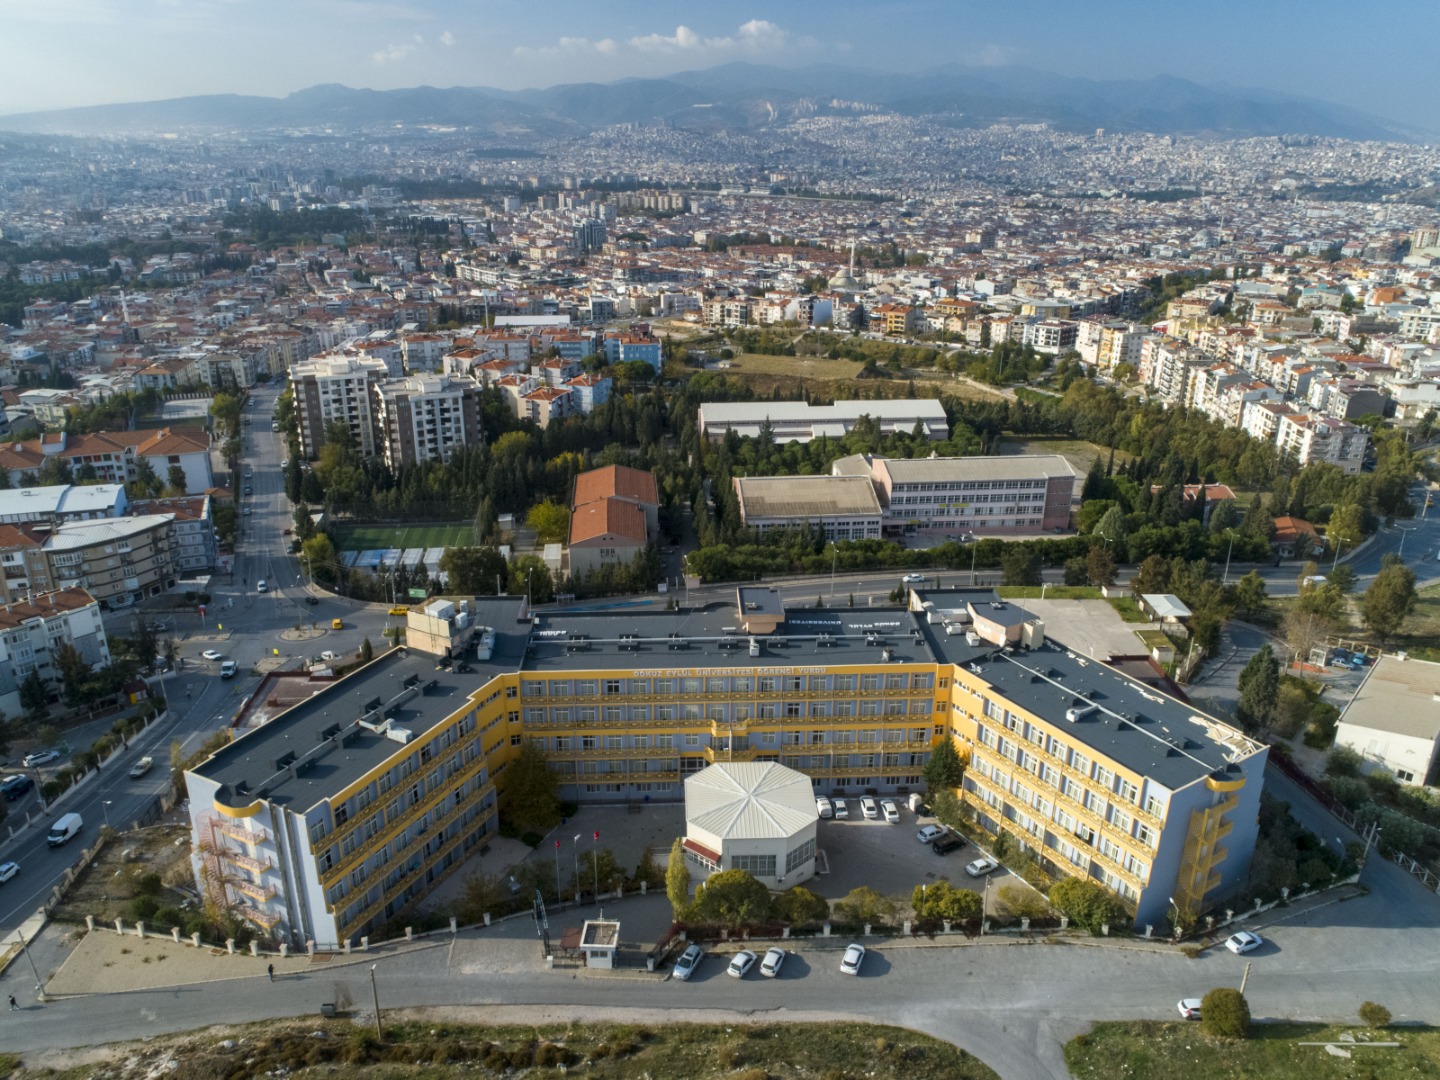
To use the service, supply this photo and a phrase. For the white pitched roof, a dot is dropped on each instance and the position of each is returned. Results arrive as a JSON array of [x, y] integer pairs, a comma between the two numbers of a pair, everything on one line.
[[741, 799]]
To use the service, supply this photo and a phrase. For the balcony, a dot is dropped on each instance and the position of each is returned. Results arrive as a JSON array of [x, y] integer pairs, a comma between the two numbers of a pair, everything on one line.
[[245, 862], [261, 893], [267, 919], [240, 833]]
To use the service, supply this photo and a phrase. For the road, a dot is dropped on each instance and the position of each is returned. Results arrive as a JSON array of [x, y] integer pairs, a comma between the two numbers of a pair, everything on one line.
[[242, 624]]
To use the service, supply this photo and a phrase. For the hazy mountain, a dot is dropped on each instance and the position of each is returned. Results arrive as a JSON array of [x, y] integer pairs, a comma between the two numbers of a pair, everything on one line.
[[738, 96]]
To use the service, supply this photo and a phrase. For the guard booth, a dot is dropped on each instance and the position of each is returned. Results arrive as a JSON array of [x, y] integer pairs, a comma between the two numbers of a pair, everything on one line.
[[599, 939]]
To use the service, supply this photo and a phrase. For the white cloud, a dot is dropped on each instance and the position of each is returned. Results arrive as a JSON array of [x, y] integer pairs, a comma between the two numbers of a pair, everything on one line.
[[755, 36], [392, 54], [447, 39], [994, 55]]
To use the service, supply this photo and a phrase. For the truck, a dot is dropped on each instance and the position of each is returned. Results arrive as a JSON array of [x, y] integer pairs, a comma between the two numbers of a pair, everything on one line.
[[66, 828]]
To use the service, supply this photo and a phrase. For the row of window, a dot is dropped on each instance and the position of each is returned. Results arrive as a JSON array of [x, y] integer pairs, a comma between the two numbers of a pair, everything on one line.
[[584, 715], [695, 740], [729, 684]]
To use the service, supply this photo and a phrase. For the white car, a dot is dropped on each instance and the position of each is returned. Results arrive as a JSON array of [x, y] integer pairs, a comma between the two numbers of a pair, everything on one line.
[[890, 810], [823, 806], [211, 655], [248, 510], [930, 833], [1243, 942], [741, 965], [1189, 1008], [328, 655], [261, 586], [981, 867], [853, 958], [913, 579], [770, 966], [40, 757], [8, 870], [688, 962], [842, 810], [870, 809]]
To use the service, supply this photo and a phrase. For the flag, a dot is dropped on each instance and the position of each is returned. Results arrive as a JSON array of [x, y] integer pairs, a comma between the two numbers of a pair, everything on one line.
[[597, 836], [557, 841]]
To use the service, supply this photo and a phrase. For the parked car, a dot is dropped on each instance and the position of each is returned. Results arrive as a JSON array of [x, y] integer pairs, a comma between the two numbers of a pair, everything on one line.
[[853, 958], [981, 866], [688, 962], [947, 843], [12, 787], [141, 767], [870, 808], [8, 870], [823, 806], [890, 810], [742, 963], [1243, 942], [1189, 1008], [1340, 658], [41, 757], [770, 966], [930, 833], [842, 809]]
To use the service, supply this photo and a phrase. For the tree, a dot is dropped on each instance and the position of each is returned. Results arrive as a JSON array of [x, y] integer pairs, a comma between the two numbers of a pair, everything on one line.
[[1152, 576], [550, 520], [532, 790], [1389, 600], [798, 906], [474, 570], [945, 770], [1259, 689], [943, 901], [1021, 564], [864, 905], [1018, 900], [1250, 594], [529, 576], [367, 651], [1111, 527], [33, 695], [731, 899], [1100, 566], [1225, 1014], [1304, 631], [146, 484], [74, 673], [320, 558], [1346, 527], [175, 480], [1373, 1015], [1088, 904], [677, 880], [1075, 571]]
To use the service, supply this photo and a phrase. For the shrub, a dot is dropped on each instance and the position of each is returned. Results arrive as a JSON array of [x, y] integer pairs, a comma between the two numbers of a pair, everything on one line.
[[1225, 1014], [143, 907], [148, 884], [1088, 905], [1343, 761], [1375, 1015]]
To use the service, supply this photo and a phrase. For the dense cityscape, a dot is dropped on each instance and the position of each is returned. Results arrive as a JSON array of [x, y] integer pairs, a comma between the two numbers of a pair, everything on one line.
[[1043, 492]]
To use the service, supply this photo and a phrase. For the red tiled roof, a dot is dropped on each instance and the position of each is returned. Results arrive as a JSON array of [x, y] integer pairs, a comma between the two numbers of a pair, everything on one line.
[[607, 517], [619, 481]]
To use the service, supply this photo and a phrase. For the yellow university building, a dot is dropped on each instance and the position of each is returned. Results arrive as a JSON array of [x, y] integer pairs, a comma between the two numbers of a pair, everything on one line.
[[342, 811]]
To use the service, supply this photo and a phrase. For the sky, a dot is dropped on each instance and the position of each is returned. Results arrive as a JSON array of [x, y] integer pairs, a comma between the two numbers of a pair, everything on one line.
[[61, 53]]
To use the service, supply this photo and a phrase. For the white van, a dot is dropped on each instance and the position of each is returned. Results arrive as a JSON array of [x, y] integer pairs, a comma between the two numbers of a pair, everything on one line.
[[260, 586], [65, 828]]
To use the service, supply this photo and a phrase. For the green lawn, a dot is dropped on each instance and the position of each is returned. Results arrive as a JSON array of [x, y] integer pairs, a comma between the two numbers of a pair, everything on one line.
[[1129, 609], [379, 537], [1178, 1051], [1052, 592]]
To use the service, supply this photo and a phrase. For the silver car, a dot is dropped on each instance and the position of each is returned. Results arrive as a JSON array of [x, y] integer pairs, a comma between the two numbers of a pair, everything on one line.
[[770, 966], [688, 962]]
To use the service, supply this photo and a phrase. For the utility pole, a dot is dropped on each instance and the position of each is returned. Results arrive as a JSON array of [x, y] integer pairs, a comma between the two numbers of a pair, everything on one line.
[[375, 993], [1245, 978], [1228, 550], [25, 948]]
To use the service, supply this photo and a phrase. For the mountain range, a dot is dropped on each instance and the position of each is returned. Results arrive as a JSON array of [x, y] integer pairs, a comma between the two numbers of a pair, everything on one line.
[[742, 96]]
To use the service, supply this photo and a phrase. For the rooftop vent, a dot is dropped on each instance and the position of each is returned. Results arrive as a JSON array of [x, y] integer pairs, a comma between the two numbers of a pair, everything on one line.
[[1074, 716], [887, 655], [754, 647]]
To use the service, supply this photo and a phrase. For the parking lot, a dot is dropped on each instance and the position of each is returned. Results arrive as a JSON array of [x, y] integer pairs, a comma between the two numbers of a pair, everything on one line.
[[889, 859]]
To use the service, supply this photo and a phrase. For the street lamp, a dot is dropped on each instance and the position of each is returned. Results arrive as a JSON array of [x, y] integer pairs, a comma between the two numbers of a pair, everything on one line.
[[834, 554], [1228, 551], [107, 813], [375, 995], [1340, 542]]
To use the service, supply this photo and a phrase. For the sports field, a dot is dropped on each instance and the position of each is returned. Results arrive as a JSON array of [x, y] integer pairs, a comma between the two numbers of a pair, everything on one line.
[[381, 537]]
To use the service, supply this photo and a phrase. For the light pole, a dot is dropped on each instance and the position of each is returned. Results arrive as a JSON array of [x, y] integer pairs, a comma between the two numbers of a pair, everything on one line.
[[529, 600], [575, 851], [973, 552], [106, 804], [1228, 551], [1340, 542], [25, 948], [834, 554], [1403, 534], [375, 996], [595, 865]]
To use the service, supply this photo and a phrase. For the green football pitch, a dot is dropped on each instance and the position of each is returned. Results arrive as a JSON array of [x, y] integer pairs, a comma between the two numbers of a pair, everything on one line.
[[381, 537]]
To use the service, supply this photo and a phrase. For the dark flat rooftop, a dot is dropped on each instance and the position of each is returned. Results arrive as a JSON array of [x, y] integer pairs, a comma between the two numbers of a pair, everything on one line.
[[320, 747], [1144, 730]]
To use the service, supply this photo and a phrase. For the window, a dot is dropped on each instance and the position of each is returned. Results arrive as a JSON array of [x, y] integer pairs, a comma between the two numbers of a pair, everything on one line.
[[1155, 806], [758, 865], [1405, 776], [1128, 791], [799, 856], [1145, 835], [612, 686], [692, 740]]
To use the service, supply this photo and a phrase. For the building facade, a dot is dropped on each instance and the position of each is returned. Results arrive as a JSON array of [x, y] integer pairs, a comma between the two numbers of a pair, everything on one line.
[[336, 814], [32, 632], [118, 561], [1026, 493], [425, 418], [331, 389]]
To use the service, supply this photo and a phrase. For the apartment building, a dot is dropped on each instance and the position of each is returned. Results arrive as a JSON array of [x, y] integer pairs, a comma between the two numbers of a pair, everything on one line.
[[895, 320], [55, 503], [192, 530], [329, 389], [795, 421], [1027, 493], [1308, 437], [114, 457], [1050, 337], [425, 417], [338, 813], [33, 630], [118, 561], [24, 570]]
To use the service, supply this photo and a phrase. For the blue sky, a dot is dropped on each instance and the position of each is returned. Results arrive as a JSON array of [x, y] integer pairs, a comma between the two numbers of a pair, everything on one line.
[[57, 53]]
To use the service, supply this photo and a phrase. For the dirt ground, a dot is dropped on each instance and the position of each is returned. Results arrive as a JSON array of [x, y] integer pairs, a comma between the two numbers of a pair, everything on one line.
[[106, 887]]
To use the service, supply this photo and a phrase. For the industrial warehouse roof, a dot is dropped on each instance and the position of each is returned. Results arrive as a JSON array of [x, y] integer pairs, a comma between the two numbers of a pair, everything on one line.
[[745, 800], [943, 469], [805, 497], [616, 481], [607, 517], [928, 410]]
